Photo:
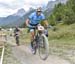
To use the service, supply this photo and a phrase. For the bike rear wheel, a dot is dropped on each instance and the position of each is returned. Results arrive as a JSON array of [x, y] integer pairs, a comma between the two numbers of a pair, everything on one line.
[[43, 47], [17, 40]]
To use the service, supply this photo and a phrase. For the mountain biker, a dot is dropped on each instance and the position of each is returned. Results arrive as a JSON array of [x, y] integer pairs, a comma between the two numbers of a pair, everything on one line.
[[16, 34], [33, 20]]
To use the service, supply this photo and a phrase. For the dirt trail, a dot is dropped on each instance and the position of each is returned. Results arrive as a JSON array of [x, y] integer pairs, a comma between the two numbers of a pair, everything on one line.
[[24, 55]]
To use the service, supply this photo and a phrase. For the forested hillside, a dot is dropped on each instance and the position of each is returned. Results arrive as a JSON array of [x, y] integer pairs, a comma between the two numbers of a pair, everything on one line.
[[64, 13]]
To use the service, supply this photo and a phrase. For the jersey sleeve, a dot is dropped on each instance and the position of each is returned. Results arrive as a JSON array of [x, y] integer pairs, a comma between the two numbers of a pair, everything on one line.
[[30, 16]]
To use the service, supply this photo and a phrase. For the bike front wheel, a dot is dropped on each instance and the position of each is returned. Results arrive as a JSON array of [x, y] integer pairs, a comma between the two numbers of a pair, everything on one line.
[[43, 47]]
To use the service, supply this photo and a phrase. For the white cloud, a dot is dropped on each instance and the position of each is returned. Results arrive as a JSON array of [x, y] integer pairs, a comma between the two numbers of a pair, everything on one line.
[[8, 7], [6, 12]]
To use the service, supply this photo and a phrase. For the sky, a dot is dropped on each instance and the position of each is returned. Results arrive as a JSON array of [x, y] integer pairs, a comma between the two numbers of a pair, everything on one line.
[[8, 7]]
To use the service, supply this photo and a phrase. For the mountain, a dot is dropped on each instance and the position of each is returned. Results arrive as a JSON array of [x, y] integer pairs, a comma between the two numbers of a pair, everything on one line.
[[20, 12], [8, 21], [51, 5], [18, 20], [21, 21]]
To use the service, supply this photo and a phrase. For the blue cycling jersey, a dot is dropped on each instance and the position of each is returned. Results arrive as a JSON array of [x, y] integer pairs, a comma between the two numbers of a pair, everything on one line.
[[35, 19]]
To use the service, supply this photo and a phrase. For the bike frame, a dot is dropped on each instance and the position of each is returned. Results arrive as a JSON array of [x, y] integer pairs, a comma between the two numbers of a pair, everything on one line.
[[36, 37]]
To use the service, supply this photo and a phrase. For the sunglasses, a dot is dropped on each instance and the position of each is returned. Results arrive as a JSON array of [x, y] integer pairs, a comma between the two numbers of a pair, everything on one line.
[[39, 11]]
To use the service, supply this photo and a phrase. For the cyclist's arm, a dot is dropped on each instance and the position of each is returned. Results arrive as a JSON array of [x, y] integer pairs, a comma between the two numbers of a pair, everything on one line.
[[27, 22], [29, 18]]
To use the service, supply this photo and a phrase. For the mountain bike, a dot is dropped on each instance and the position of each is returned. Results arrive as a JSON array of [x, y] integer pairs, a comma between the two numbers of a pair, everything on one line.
[[40, 42]]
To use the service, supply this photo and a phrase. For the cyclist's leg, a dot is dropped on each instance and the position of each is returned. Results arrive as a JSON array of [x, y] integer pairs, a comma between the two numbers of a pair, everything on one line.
[[32, 33]]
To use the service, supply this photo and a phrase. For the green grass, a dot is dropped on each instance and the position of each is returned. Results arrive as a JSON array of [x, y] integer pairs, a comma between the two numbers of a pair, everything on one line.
[[9, 57], [25, 37], [63, 32]]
